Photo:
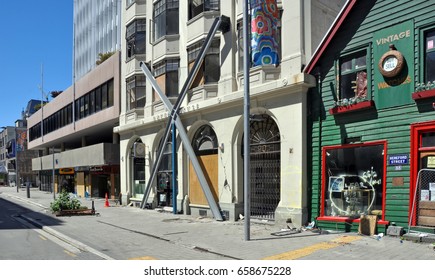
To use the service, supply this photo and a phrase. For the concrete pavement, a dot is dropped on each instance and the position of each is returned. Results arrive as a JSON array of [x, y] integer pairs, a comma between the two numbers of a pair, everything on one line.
[[125, 232]]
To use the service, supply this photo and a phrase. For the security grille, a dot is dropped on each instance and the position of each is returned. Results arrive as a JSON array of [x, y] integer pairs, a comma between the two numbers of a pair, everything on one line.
[[423, 205], [265, 168]]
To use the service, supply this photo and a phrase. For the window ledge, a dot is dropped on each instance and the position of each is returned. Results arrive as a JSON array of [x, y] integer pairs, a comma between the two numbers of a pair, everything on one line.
[[351, 108], [423, 94], [347, 220]]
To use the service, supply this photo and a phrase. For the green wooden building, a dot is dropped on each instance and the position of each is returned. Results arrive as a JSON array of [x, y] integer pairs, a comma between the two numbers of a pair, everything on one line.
[[372, 117]]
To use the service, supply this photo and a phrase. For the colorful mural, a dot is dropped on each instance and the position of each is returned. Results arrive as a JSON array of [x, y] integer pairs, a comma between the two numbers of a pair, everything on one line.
[[264, 32]]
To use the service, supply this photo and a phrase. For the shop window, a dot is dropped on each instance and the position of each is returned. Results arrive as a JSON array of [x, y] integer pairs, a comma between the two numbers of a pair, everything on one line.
[[136, 38], [136, 92], [354, 180], [353, 78], [165, 18], [209, 71], [197, 7], [429, 60]]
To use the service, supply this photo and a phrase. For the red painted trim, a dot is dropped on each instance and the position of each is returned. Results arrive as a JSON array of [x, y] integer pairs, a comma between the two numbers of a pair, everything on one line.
[[328, 38], [423, 94], [348, 220], [416, 131], [323, 183], [350, 108]]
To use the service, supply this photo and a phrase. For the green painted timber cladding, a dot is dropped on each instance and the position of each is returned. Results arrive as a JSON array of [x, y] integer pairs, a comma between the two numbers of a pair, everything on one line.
[[391, 124]]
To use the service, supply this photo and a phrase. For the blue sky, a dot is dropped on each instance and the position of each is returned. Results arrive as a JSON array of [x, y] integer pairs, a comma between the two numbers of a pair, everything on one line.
[[33, 33]]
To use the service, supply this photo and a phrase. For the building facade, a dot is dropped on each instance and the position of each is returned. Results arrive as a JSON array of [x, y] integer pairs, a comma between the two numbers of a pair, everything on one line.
[[15, 157], [74, 131], [97, 31], [371, 120], [167, 35]]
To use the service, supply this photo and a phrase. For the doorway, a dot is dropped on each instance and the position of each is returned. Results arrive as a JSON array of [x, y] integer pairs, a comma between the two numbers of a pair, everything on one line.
[[422, 189]]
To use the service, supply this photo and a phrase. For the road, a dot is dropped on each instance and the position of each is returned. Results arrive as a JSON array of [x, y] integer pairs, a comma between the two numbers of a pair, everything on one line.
[[21, 240]]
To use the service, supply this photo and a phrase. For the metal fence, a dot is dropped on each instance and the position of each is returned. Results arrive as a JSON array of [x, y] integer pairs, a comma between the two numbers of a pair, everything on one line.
[[423, 205]]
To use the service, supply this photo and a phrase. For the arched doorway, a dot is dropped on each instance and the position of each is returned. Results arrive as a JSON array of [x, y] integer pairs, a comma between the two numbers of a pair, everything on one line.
[[205, 145], [138, 169], [164, 175], [265, 167]]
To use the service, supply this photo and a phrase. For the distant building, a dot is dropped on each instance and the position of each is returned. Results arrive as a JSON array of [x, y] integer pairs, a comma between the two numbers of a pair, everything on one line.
[[74, 130], [14, 151]]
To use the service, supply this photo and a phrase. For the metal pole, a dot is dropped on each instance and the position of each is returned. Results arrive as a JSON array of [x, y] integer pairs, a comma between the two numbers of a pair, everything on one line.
[[54, 191], [174, 169], [17, 174], [246, 111]]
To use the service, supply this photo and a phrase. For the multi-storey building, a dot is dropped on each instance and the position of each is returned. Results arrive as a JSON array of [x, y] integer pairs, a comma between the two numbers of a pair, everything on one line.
[[167, 35], [75, 129], [15, 157], [372, 125], [96, 31]]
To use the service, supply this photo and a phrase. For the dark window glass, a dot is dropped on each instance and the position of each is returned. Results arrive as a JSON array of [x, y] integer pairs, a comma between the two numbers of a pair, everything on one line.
[[110, 93], [92, 102], [430, 56], [136, 38], [354, 180], [97, 99], [104, 96], [165, 18], [353, 76]]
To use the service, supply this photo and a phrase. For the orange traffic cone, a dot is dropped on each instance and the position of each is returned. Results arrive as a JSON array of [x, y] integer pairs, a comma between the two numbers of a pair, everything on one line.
[[106, 203]]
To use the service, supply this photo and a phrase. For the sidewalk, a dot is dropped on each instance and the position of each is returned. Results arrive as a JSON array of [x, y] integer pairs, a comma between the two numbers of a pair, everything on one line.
[[129, 227]]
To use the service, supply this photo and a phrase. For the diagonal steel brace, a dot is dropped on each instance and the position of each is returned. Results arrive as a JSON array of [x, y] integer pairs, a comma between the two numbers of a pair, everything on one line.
[[222, 23]]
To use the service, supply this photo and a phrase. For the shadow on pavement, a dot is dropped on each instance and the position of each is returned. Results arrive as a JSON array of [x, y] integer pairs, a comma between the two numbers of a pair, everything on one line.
[[9, 210]]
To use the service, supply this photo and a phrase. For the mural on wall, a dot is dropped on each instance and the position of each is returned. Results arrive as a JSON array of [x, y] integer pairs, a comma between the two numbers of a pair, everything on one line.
[[264, 32]]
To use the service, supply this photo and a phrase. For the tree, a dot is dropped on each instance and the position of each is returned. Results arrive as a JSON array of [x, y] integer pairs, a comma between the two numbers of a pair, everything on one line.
[[103, 57]]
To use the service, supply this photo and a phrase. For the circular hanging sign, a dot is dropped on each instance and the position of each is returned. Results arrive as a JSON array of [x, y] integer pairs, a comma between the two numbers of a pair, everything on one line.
[[391, 63]]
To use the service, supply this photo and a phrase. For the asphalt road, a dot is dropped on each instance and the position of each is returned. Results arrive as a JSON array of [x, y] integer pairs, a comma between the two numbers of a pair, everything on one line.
[[21, 240]]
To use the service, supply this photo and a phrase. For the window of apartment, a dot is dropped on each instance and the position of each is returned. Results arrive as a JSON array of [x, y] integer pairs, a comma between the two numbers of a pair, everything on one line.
[[166, 73], [354, 180], [353, 76], [165, 18], [429, 61], [136, 92], [210, 67], [136, 38], [197, 7]]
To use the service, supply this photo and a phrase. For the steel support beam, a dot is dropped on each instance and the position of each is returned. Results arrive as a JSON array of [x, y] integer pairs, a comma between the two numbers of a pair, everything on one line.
[[222, 23]]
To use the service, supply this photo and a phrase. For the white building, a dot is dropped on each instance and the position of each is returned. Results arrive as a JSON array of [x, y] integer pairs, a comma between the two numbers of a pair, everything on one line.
[[167, 34]]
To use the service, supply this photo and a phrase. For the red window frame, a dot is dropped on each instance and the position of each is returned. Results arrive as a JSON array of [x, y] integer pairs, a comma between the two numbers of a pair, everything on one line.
[[322, 216]]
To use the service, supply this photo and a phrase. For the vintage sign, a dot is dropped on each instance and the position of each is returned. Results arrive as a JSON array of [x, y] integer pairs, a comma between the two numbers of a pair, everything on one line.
[[393, 51]]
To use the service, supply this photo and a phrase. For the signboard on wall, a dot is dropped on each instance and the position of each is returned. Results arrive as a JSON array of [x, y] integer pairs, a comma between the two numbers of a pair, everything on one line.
[[393, 52]]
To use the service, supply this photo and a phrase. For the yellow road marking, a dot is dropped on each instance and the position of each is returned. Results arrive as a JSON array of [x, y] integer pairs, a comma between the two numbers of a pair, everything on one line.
[[42, 237], [297, 254], [143, 258], [69, 253]]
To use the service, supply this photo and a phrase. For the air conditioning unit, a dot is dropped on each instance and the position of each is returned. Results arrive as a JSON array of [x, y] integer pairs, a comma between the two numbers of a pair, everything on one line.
[[138, 150]]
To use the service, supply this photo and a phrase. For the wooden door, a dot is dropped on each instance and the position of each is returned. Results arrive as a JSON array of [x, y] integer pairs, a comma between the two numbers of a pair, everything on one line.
[[209, 165]]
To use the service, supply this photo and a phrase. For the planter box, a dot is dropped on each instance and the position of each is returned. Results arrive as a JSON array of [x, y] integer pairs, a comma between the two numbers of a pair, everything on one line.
[[423, 94], [351, 108], [76, 212]]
